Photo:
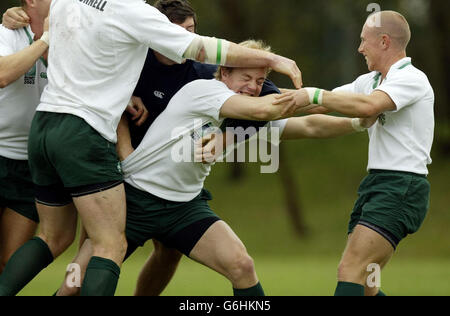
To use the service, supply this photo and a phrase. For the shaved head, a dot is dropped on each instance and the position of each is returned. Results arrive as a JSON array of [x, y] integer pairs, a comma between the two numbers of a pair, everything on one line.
[[393, 24]]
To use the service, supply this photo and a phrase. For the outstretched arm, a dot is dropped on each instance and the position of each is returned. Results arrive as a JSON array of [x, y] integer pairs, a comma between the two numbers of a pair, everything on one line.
[[350, 104], [259, 108], [324, 126], [221, 52]]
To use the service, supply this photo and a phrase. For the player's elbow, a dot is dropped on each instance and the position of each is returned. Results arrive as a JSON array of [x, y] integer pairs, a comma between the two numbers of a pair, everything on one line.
[[368, 108], [3, 83]]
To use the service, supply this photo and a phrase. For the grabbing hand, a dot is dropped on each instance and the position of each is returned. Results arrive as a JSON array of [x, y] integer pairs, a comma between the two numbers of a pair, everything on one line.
[[368, 122], [210, 148], [293, 100], [138, 110], [288, 67], [15, 18]]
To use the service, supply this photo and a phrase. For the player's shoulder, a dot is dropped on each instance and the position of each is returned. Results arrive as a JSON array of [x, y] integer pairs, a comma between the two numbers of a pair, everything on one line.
[[6, 33], [410, 72]]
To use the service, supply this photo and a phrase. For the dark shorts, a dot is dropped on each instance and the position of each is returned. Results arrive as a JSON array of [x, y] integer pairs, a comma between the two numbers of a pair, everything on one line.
[[17, 189], [394, 204], [176, 225], [68, 158]]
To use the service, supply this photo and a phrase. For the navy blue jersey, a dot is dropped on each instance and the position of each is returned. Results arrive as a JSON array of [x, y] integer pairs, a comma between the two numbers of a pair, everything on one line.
[[159, 83]]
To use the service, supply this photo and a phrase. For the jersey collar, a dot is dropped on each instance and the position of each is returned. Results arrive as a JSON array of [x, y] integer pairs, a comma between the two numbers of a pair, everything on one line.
[[399, 65]]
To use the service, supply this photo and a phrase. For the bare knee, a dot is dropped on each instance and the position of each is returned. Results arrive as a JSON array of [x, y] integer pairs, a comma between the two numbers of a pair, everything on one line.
[[58, 243], [114, 247], [241, 267], [352, 265]]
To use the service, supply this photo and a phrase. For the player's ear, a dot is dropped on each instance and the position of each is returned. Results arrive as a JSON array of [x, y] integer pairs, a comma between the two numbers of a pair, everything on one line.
[[386, 41], [225, 72]]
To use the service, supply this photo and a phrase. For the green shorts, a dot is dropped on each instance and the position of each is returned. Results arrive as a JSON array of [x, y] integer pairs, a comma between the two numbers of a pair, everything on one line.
[[176, 225], [392, 203], [67, 152], [17, 189]]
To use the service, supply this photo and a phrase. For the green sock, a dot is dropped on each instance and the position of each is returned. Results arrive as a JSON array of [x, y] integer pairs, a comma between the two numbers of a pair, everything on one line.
[[101, 278], [257, 290], [24, 265], [380, 293], [349, 289]]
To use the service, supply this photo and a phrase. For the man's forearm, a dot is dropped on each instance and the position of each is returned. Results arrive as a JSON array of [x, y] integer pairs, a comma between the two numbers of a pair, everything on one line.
[[15, 66], [239, 56], [350, 104], [318, 126]]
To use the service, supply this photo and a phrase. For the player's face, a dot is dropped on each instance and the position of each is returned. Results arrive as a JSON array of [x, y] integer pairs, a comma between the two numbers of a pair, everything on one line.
[[245, 81], [370, 46], [188, 25]]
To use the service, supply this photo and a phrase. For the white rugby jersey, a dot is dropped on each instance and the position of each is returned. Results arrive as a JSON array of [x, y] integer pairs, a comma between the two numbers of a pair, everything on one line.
[[401, 140], [18, 101], [97, 51], [163, 164]]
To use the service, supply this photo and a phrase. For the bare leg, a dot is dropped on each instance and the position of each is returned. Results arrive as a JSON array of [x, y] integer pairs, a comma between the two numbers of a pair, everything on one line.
[[82, 259], [364, 247], [103, 215], [221, 250], [58, 227], [15, 231], [158, 271]]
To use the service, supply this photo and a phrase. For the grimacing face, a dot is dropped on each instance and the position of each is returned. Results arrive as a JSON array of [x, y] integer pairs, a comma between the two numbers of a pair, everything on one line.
[[245, 81]]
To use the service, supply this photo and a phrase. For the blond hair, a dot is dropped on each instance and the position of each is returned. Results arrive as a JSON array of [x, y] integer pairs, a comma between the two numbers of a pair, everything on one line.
[[253, 44]]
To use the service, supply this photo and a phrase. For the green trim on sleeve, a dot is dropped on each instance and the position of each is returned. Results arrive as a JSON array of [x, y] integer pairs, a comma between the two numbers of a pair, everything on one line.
[[219, 52]]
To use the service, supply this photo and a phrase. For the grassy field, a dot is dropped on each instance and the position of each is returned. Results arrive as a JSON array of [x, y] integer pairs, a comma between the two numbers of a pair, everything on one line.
[[328, 175], [286, 276]]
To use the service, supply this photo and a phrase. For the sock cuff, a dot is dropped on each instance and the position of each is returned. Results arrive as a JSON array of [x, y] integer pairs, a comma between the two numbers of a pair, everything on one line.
[[44, 245], [98, 263], [256, 290], [349, 289]]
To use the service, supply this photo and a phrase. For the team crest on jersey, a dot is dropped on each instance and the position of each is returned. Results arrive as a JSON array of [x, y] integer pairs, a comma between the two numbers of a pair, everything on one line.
[[382, 119], [159, 94], [30, 76]]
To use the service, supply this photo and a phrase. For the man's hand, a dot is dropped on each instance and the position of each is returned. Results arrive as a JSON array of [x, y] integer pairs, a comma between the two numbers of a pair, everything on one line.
[[368, 122], [288, 67], [210, 148], [138, 110], [15, 18], [293, 101]]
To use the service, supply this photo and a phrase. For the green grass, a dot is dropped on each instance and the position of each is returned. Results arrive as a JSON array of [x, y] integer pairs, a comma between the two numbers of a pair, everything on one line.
[[286, 276], [328, 175]]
